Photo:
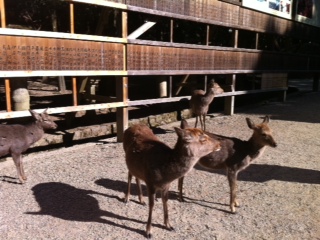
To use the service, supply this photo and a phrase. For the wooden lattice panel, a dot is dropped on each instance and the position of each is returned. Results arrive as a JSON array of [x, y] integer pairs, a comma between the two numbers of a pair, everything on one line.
[[35, 54]]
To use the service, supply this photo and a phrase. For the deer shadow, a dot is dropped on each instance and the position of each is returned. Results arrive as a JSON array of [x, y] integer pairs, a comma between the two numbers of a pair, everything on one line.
[[263, 173], [121, 186], [66, 202]]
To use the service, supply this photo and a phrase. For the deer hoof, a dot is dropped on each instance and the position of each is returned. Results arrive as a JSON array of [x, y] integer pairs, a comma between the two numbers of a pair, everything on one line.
[[149, 235], [22, 181], [171, 229], [233, 209], [125, 200]]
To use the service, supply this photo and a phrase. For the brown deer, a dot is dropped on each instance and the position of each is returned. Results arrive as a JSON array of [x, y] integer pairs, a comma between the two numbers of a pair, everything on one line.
[[157, 164], [15, 139], [235, 154], [200, 101]]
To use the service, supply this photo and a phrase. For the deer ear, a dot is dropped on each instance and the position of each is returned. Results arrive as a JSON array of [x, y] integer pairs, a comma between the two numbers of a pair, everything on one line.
[[250, 123], [45, 111], [184, 124], [35, 115], [266, 119], [183, 134], [179, 131]]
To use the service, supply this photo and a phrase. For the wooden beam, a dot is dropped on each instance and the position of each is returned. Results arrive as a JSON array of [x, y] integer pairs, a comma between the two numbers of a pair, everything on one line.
[[102, 3], [44, 34], [142, 29], [16, 114], [180, 84]]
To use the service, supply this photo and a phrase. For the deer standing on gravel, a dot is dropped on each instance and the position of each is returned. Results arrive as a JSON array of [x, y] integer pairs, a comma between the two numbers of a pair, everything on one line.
[[157, 164], [200, 101], [15, 139], [235, 154]]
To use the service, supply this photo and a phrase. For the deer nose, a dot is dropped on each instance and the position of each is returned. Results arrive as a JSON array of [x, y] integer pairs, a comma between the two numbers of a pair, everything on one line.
[[218, 147]]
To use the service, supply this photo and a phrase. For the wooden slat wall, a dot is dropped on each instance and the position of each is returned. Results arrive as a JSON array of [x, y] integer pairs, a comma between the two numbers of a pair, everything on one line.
[[148, 58], [224, 14], [48, 54]]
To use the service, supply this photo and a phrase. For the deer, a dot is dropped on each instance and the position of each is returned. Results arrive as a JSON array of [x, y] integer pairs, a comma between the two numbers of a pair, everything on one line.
[[15, 139], [235, 155], [152, 161], [200, 101]]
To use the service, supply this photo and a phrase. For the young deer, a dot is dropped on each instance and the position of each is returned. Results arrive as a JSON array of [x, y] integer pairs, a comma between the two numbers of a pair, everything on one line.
[[201, 100], [235, 155], [15, 139], [155, 163]]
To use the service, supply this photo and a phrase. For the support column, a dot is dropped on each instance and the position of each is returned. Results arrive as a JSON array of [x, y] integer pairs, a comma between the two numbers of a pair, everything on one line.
[[8, 94], [229, 101], [3, 14], [122, 86]]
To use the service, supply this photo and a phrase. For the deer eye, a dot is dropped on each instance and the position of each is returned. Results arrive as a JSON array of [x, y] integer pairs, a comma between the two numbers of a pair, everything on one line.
[[264, 135], [203, 139]]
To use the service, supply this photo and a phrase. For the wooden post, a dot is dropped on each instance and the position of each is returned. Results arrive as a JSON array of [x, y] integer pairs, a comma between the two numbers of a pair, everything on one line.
[[74, 80], [122, 86], [229, 101], [8, 94], [3, 14]]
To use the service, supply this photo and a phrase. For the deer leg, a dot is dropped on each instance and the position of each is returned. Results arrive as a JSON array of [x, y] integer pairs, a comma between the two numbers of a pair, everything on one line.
[[17, 159], [165, 197], [140, 191], [24, 177], [151, 196], [232, 178], [180, 189], [204, 122], [195, 125], [126, 197], [201, 121]]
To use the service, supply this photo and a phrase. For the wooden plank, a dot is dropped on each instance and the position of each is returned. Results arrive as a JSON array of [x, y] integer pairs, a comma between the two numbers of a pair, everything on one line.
[[57, 73], [45, 34], [17, 114], [101, 3], [182, 98]]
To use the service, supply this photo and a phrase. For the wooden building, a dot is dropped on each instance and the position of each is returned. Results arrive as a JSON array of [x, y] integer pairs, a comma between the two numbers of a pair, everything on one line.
[[119, 54]]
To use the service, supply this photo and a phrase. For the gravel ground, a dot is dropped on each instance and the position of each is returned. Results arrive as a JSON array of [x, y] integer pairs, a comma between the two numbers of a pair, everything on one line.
[[76, 192]]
